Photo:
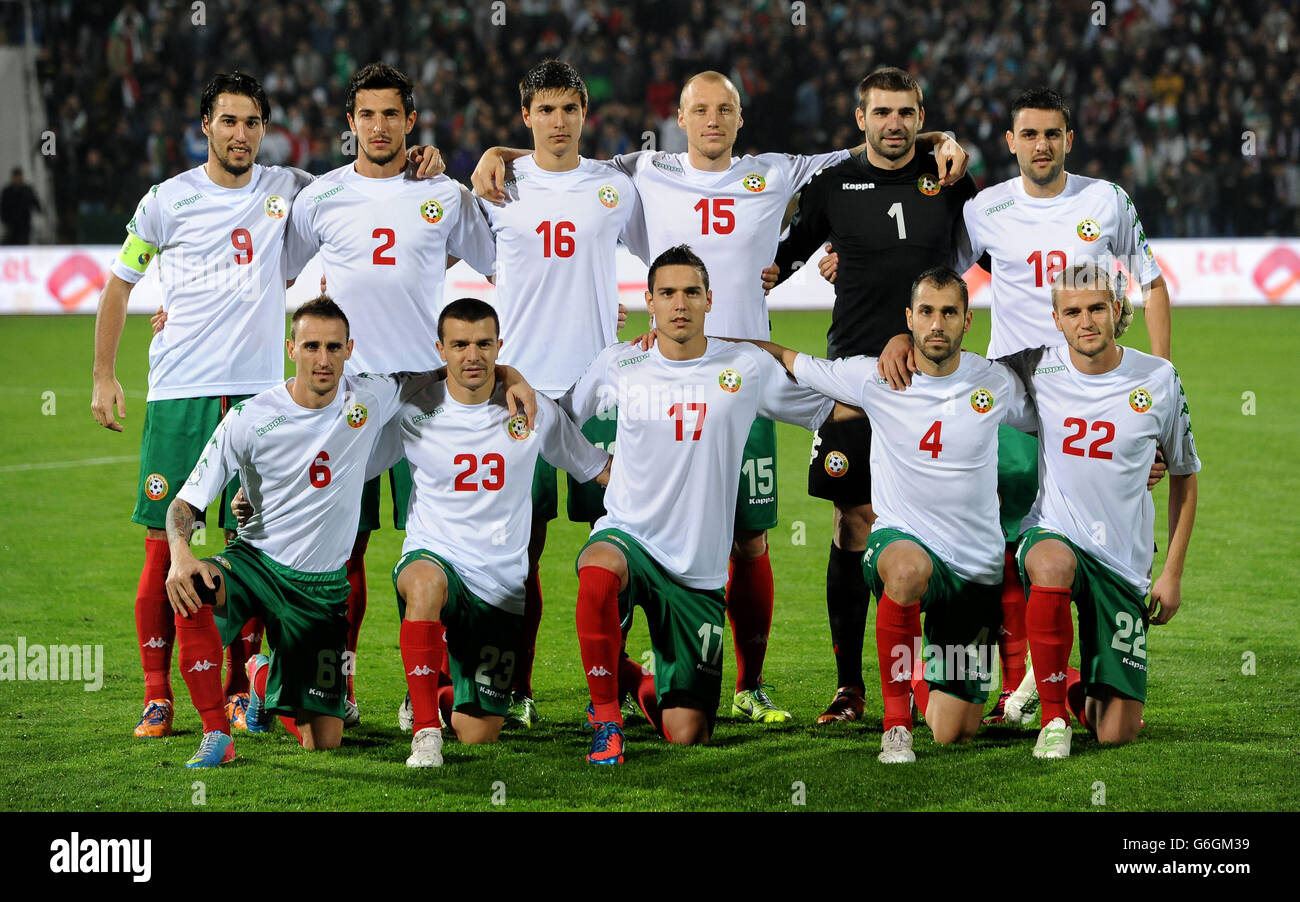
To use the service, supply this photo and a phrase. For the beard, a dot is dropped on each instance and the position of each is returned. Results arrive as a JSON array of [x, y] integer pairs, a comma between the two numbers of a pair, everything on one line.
[[382, 159], [226, 164], [892, 153]]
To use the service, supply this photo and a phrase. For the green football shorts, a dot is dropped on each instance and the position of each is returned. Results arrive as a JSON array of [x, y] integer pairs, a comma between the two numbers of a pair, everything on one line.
[[756, 502], [586, 499], [399, 481], [1017, 478]]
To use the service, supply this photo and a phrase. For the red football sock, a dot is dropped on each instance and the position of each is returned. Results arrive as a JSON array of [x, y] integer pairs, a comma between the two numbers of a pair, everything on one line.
[[1051, 636], [356, 571], [155, 627], [1012, 638], [898, 633], [649, 703], [1075, 696], [920, 690], [291, 727], [199, 653], [259, 681], [247, 644], [423, 651], [523, 680], [600, 639], [750, 594], [446, 701], [630, 674]]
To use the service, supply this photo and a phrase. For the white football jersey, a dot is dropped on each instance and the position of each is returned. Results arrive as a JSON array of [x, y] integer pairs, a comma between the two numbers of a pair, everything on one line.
[[472, 473], [1031, 239], [383, 245], [557, 282], [731, 219], [303, 470], [682, 426], [934, 452], [221, 254], [1097, 438]]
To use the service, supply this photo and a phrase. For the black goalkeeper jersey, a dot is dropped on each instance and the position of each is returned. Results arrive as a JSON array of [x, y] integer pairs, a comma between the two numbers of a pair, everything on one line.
[[888, 226]]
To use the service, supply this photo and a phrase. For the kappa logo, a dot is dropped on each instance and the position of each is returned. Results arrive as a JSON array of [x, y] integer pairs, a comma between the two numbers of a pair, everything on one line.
[[981, 400], [729, 381], [155, 486], [1088, 230], [276, 207], [608, 196], [202, 666], [357, 415], [1054, 678], [599, 671], [753, 182], [421, 670], [517, 427], [928, 185], [857, 186], [1140, 400], [431, 211], [154, 642]]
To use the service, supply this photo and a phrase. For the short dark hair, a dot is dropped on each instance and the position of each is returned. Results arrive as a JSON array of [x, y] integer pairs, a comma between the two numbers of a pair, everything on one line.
[[321, 307], [551, 75], [941, 277], [681, 255], [889, 78], [468, 310], [377, 77], [1040, 98], [233, 83]]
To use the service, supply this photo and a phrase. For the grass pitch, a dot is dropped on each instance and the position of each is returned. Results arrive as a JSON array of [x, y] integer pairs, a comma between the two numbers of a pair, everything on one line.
[[1221, 724]]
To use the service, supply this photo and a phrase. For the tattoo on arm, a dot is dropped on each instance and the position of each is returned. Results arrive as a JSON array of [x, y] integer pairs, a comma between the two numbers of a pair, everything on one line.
[[180, 520]]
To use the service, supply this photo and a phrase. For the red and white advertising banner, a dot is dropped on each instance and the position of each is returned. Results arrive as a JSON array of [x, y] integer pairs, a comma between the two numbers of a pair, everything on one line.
[[1210, 272]]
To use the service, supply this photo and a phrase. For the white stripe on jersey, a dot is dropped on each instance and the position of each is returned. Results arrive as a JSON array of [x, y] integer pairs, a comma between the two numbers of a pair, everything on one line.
[[731, 219], [383, 245], [303, 470], [222, 272], [557, 283], [934, 452], [472, 473], [682, 427], [1031, 239], [1097, 439]]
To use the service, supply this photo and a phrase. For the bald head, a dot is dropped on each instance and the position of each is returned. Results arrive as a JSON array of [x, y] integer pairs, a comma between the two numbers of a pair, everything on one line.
[[711, 78], [709, 113]]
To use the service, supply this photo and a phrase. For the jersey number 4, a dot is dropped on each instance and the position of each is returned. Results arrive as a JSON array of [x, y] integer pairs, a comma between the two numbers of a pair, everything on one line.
[[930, 441], [1070, 444], [495, 479]]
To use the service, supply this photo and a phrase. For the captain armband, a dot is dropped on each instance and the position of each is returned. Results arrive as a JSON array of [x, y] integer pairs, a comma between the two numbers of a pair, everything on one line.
[[136, 253]]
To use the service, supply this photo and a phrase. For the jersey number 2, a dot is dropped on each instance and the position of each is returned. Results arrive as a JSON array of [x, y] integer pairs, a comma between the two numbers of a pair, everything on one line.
[[387, 238]]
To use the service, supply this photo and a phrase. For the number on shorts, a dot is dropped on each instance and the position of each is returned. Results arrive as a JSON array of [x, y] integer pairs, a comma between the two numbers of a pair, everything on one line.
[[1127, 625], [759, 471], [327, 669], [490, 655], [706, 632]]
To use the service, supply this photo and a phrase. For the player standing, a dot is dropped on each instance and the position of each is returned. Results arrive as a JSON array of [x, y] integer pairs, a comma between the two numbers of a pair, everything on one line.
[[935, 545], [685, 408], [889, 218], [218, 233], [384, 238], [1103, 410], [557, 292], [460, 580], [730, 210]]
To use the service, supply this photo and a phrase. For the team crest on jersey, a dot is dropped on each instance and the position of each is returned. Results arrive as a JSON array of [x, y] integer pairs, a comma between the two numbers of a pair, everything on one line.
[[517, 427], [431, 210], [155, 486], [1140, 400], [1088, 230], [981, 400], [221, 560], [357, 414], [729, 380], [754, 182], [276, 207], [608, 196], [928, 185], [836, 464]]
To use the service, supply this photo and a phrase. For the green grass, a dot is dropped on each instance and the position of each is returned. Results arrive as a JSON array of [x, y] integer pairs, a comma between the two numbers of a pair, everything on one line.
[[1216, 739]]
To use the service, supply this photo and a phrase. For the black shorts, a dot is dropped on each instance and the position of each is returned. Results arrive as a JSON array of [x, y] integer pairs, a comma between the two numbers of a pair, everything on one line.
[[840, 470]]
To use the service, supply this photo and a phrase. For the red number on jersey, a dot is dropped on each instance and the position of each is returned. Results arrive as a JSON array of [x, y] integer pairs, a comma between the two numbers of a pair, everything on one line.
[[1097, 449], [243, 243], [930, 441], [724, 221], [563, 231], [1055, 263], [389, 238], [318, 473], [496, 472], [679, 410]]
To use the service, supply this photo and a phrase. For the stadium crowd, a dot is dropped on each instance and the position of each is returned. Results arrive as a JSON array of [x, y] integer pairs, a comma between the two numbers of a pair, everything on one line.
[[1193, 106]]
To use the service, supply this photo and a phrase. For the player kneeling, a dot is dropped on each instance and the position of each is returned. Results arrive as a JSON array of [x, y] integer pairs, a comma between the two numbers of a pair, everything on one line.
[[460, 580], [1103, 411]]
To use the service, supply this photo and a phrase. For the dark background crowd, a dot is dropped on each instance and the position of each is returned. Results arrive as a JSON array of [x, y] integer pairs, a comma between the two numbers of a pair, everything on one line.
[[1192, 105]]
